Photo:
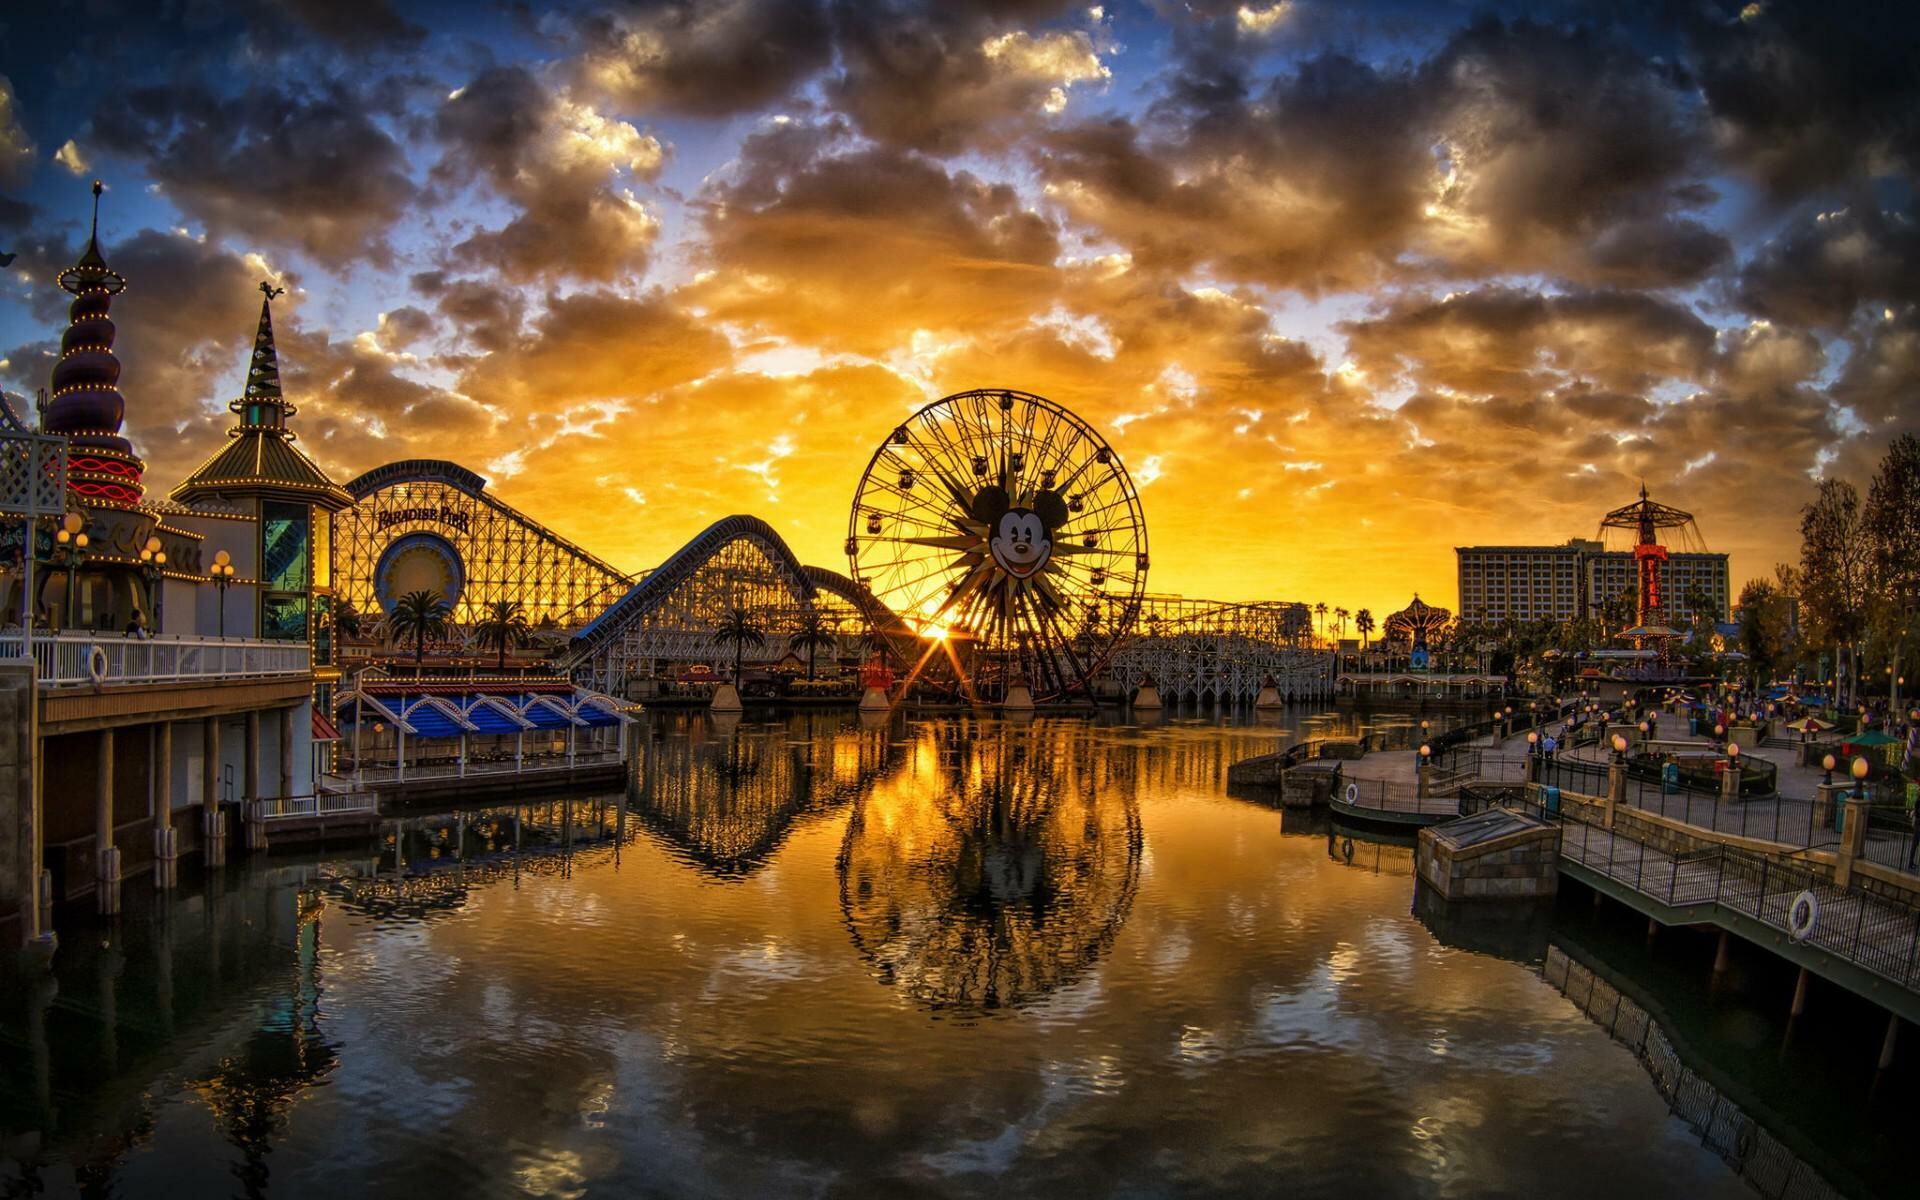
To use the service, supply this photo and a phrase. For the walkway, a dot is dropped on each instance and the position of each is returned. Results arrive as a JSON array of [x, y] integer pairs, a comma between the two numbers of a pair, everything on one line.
[[1858, 940], [1790, 818]]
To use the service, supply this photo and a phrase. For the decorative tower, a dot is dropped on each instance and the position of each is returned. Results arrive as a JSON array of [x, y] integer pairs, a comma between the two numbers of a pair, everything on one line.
[[86, 406], [262, 473]]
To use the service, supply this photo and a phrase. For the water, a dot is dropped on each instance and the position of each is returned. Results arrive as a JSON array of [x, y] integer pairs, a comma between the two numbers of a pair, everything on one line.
[[816, 957]]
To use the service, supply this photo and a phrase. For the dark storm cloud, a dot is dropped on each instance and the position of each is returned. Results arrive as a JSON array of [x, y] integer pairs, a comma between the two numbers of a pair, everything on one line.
[[1808, 94], [710, 58], [1882, 376], [1515, 147], [1502, 341], [358, 24], [308, 168], [1825, 265], [556, 160], [936, 76]]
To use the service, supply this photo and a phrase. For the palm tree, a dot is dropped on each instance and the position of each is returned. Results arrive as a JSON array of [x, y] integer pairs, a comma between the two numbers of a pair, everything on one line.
[[419, 615], [810, 635], [741, 629], [1340, 616], [1320, 618], [504, 625], [346, 619], [1363, 621]]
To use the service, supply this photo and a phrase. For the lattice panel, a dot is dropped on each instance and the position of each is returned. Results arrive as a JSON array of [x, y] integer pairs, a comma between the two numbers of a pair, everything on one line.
[[33, 474]]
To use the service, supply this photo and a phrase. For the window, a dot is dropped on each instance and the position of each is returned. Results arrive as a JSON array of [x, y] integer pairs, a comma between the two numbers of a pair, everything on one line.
[[285, 539], [284, 618]]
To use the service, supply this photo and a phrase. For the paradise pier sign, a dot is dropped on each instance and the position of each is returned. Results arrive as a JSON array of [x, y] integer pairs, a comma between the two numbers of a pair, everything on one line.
[[444, 515]]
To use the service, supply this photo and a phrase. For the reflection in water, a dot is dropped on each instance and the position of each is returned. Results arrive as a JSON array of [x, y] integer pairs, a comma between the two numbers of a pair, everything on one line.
[[994, 868], [673, 992], [726, 794]]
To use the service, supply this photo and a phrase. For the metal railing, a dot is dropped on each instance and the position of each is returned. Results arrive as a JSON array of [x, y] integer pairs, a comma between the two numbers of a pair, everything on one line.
[[1785, 819], [1869, 931], [449, 768], [96, 660], [325, 804]]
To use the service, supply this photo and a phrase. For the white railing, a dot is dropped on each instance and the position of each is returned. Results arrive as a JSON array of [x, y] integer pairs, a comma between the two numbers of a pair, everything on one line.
[[326, 804], [88, 660], [545, 764]]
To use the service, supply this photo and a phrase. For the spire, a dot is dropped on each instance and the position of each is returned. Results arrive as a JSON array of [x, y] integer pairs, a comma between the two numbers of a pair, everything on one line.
[[86, 404], [263, 403]]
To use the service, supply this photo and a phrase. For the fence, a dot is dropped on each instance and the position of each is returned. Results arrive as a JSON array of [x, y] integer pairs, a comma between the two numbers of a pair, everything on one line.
[[1793, 822], [326, 804], [85, 660], [1755, 1154], [1872, 933]]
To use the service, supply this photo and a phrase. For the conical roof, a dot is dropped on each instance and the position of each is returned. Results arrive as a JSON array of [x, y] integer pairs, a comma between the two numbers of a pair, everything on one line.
[[261, 459]]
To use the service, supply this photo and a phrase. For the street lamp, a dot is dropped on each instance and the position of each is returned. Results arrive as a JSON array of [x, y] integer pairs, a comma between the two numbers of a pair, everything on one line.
[[1619, 747], [1860, 769], [222, 576], [1827, 764], [72, 538], [152, 561]]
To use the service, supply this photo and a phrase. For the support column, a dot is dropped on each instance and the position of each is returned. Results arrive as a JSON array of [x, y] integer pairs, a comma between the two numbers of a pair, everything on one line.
[[213, 822], [1616, 788], [1853, 840], [107, 873], [1722, 959], [250, 785], [286, 752], [166, 839]]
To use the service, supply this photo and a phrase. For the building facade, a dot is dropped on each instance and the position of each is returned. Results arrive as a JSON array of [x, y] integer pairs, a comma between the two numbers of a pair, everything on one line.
[[1577, 580]]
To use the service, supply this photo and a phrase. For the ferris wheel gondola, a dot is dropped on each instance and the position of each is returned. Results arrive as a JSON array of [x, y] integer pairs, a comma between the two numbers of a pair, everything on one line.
[[1001, 520]]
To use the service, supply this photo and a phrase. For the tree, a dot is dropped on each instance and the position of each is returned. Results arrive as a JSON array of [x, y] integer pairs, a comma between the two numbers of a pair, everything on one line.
[[504, 625], [1891, 522], [740, 629], [346, 619], [1363, 621], [1340, 616], [1834, 560], [1320, 617], [1699, 605], [810, 635], [419, 615], [1765, 629]]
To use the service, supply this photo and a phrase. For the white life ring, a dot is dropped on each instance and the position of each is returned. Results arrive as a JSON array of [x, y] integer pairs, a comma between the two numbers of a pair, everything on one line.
[[1353, 793], [96, 664], [1803, 914]]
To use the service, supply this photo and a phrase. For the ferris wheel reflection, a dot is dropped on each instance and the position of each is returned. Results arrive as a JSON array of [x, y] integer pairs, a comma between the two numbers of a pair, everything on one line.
[[994, 868]]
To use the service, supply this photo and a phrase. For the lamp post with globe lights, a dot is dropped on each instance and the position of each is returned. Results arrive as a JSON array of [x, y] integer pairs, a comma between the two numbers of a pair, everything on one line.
[[153, 560], [71, 540], [222, 575]]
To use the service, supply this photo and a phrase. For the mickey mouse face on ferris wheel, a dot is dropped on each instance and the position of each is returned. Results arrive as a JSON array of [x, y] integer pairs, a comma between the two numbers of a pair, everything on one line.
[[1020, 539]]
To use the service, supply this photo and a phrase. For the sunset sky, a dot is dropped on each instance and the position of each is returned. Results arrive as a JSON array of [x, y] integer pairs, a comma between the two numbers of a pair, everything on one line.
[[1346, 285]]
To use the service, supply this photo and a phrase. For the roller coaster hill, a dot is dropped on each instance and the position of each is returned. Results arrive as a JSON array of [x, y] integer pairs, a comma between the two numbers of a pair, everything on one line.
[[995, 542]]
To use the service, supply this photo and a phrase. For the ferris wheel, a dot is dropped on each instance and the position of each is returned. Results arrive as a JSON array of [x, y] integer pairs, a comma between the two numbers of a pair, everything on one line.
[[1001, 522]]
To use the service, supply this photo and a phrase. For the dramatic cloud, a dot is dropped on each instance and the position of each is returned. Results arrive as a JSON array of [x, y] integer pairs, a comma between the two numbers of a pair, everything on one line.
[[1326, 275], [706, 58], [937, 76], [860, 250], [310, 169], [1826, 265], [558, 161], [1806, 94]]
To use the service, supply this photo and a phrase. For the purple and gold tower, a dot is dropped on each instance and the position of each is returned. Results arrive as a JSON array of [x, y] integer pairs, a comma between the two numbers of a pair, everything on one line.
[[85, 405]]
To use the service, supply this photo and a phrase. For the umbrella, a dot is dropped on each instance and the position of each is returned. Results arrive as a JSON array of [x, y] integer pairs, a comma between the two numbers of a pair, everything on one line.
[[1809, 725], [1872, 737]]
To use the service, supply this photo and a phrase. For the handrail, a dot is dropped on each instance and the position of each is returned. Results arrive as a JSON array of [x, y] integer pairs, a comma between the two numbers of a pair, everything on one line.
[[94, 660]]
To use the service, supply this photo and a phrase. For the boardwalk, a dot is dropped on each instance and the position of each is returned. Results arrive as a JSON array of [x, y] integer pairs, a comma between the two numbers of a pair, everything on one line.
[[1877, 939]]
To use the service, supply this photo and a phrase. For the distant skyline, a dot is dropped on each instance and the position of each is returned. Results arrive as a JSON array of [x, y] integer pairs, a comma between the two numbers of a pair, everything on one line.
[[1346, 285]]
